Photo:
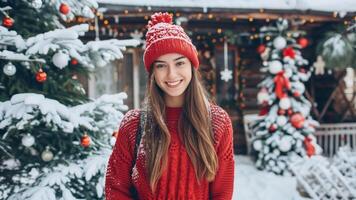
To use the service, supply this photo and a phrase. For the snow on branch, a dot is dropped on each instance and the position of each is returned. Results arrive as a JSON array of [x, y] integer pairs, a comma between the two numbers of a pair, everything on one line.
[[92, 54], [108, 50], [84, 8], [9, 55], [11, 38], [56, 180], [28, 110], [57, 39]]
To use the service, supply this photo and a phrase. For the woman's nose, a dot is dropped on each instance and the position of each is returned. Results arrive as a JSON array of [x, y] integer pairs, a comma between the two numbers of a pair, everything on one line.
[[171, 71]]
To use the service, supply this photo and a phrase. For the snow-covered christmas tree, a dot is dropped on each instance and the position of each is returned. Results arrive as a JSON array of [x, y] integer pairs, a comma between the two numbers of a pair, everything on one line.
[[285, 129], [55, 142]]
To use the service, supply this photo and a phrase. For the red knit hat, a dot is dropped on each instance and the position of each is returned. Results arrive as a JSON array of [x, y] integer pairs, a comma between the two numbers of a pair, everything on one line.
[[164, 37]]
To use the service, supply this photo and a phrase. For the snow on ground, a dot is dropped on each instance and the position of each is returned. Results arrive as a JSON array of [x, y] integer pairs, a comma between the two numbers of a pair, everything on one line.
[[252, 184]]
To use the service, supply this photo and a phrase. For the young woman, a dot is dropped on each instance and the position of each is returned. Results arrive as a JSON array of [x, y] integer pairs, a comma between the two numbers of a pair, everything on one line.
[[185, 149]]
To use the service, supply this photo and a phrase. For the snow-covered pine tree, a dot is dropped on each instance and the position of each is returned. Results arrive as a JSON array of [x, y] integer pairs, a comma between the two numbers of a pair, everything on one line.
[[338, 47], [285, 129], [54, 141]]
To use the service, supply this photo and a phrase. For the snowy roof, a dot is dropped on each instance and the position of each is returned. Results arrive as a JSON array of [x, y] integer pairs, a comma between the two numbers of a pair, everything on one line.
[[315, 5]]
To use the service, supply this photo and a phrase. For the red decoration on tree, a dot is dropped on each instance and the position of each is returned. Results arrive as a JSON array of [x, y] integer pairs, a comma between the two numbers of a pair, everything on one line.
[[297, 120], [289, 52], [264, 111], [74, 61], [281, 112], [261, 48], [272, 128], [7, 22], [85, 140], [309, 147], [303, 42], [64, 8], [290, 111], [41, 76], [302, 70], [296, 94], [281, 83]]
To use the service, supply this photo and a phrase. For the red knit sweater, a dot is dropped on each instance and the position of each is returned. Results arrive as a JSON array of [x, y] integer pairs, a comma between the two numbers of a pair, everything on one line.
[[178, 180]]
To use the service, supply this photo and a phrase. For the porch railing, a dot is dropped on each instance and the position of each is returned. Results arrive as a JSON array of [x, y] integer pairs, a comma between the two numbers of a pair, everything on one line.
[[332, 136], [329, 136]]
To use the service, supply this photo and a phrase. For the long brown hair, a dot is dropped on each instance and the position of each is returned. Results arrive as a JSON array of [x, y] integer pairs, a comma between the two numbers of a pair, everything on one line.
[[194, 129]]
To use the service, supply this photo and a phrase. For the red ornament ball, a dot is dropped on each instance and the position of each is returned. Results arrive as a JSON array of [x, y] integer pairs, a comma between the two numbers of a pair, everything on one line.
[[289, 52], [281, 112], [74, 61], [64, 8], [7, 22], [296, 94], [297, 120], [272, 128], [309, 147], [290, 112], [41, 76], [264, 111], [303, 42], [261, 48], [85, 140], [302, 70]]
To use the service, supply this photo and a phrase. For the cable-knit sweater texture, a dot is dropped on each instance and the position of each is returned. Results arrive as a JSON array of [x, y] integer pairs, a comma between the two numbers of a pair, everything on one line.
[[178, 181]]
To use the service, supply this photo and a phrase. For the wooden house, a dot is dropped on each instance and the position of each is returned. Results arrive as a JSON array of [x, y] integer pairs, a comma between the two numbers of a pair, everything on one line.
[[210, 24]]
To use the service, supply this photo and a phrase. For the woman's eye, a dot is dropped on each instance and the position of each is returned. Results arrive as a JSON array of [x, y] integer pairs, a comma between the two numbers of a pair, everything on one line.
[[180, 63], [159, 65]]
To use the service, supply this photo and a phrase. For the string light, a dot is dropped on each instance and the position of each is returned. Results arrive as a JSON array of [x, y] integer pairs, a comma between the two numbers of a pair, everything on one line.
[[177, 14], [346, 22], [251, 37], [335, 14], [106, 22], [210, 16], [250, 19], [268, 37], [219, 30], [199, 16]]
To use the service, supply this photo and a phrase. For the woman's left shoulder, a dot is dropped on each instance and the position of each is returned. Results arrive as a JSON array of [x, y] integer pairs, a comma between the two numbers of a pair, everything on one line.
[[218, 114]]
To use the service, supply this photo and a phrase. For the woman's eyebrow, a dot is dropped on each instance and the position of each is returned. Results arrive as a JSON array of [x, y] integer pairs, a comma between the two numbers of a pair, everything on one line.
[[179, 58], [158, 61]]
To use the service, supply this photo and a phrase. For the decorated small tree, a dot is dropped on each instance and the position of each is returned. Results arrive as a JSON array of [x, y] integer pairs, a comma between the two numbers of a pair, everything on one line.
[[285, 128], [55, 142]]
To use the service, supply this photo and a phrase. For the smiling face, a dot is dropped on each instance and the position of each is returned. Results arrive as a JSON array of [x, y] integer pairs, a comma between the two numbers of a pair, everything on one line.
[[172, 73]]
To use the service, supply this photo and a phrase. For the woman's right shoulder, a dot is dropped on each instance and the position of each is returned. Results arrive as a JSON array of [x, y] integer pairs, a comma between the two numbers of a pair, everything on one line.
[[130, 122]]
